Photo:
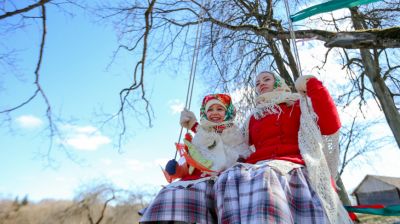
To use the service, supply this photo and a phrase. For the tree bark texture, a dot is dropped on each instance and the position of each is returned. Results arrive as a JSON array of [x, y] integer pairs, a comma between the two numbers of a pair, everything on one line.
[[381, 90]]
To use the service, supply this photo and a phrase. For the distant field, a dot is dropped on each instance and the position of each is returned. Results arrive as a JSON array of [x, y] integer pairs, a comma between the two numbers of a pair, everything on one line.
[[93, 208], [67, 212], [100, 204]]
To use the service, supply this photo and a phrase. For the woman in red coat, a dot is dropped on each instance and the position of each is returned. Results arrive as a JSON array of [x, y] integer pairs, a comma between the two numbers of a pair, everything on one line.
[[287, 178]]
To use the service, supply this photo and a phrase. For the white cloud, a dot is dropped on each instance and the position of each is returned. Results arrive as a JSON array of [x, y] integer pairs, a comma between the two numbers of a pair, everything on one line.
[[137, 165], [87, 142], [106, 161], [176, 106], [86, 129], [114, 173], [312, 54], [29, 121], [61, 179], [84, 137]]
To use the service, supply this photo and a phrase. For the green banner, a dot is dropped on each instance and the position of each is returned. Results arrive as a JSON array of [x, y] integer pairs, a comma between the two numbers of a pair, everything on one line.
[[392, 210], [327, 7]]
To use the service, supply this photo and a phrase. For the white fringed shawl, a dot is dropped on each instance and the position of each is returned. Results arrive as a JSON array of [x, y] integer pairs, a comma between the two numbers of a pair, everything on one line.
[[321, 154]]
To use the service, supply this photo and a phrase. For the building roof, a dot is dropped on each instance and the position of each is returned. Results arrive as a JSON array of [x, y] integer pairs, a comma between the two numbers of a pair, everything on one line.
[[394, 181]]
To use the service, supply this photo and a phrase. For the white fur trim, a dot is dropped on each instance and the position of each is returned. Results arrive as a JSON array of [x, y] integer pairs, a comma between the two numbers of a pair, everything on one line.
[[229, 146]]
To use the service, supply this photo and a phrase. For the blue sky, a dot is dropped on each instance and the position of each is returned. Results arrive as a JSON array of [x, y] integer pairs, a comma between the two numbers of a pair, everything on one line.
[[81, 90]]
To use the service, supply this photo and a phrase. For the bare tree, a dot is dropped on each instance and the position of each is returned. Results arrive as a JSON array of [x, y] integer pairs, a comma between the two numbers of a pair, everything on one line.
[[240, 37], [96, 203], [16, 16], [373, 72], [41, 5], [93, 199], [104, 203], [357, 140], [42, 16], [378, 75], [357, 143]]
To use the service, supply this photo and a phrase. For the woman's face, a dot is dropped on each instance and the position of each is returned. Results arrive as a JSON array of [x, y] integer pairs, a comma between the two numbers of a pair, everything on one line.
[[264, 83], [216, 113]]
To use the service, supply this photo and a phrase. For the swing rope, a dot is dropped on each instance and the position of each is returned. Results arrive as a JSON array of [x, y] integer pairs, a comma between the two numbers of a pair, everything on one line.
[[192, 75], [292, 39]]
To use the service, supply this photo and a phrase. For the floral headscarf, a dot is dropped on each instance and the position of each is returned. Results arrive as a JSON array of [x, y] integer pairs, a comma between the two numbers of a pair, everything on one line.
[[222, 99], [279, 84], [267, 103]]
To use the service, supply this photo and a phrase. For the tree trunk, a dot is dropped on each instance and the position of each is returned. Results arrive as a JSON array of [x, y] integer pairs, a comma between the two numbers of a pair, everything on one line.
[[344, 197], [380, 88], [383, 94]]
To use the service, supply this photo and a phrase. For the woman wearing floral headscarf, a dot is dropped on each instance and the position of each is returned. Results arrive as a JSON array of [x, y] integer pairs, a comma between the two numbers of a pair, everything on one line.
[[287, 179], [220, 144], [217, 138]]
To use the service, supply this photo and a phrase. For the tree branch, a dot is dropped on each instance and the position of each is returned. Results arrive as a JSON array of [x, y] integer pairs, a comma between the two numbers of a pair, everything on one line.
[[26, 9], [138, 84]]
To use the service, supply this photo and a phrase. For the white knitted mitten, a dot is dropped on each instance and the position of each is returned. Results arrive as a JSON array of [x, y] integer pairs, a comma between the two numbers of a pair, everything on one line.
[[187, 119], [301, 83]]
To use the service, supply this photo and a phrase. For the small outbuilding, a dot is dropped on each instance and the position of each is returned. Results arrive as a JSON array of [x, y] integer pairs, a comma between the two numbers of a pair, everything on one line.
[[375, 189]]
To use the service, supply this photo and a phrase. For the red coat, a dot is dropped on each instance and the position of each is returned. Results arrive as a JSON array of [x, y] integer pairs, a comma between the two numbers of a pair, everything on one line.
[[276, 137]]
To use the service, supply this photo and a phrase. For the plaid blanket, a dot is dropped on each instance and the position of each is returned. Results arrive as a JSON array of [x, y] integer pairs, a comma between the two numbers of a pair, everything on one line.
[[259, 194], [241, 194], [191, 204]]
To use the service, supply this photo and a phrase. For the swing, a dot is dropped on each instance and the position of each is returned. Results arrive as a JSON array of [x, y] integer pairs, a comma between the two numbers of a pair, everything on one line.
[[190, 157]]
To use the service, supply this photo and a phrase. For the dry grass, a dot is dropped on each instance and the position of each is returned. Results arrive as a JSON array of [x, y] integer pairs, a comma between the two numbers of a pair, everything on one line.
[[67, 212], [63, 212], [376, 219], [99, 205]]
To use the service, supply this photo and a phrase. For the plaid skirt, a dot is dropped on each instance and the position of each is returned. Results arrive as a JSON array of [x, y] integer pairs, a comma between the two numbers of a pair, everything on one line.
[[191, 204], [260, 194]]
